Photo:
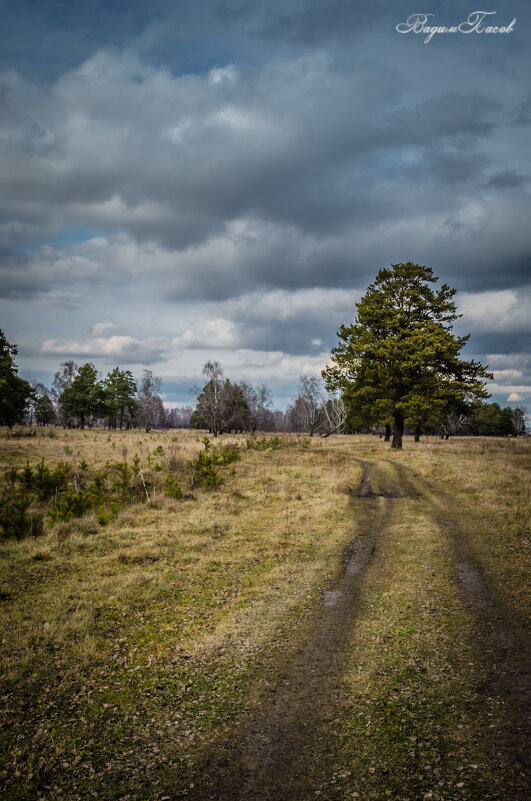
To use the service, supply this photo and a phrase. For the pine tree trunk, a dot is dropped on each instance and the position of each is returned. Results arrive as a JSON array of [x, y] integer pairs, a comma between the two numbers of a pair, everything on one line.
[[398, 431], [417, 433], [387, 437]]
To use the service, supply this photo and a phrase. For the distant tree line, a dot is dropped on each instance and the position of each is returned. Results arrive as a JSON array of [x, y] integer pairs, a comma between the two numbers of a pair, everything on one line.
[[223, 406], [487, 420], [80, 397]]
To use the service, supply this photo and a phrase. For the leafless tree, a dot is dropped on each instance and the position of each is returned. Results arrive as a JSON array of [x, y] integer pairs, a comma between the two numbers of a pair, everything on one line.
[[39, 391], [455, 423], [335, 416], [62, 380], [306, 410], [259, 401], [150, 409], [180, 417], [209, 410], [519, 421]]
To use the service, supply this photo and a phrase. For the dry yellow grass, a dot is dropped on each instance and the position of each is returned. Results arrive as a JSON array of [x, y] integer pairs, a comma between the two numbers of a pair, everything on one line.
[[130, 650]]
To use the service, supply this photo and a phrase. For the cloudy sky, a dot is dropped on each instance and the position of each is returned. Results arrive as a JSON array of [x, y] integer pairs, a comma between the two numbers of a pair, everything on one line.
[[188, 180]]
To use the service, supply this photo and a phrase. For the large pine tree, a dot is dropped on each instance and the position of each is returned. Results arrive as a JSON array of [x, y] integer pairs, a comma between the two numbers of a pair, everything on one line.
[[399, 359]]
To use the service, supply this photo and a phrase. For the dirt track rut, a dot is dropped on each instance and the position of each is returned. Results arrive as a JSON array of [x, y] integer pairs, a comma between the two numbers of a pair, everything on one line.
[[503, 641]]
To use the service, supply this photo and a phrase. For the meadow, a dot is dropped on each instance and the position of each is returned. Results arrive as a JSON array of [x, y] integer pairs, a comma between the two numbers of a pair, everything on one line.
[[256, 627]]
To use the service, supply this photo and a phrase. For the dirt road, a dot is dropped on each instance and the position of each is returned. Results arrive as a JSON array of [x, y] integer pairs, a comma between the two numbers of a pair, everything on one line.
[[300, 742]]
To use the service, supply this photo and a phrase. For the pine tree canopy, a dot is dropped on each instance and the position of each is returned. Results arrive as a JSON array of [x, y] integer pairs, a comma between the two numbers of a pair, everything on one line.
[[399, 360]]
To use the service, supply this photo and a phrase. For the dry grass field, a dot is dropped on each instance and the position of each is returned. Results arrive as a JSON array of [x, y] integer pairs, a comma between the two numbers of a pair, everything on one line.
[[332, 621]]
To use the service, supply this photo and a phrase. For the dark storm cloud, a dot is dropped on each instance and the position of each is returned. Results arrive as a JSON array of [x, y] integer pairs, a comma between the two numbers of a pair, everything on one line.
[[509, 179], [485, 344], [43, 40], [315, 23], [446, 117], [334, 157]]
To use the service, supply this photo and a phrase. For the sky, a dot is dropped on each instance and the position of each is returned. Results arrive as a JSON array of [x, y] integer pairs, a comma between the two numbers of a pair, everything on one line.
[[198, 180]]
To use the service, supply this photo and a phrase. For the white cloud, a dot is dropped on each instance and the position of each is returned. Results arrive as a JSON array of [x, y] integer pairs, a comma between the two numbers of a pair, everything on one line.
[[279, 363], [514, 397], [119, 348], [503, 388], [503, 311], [102, 328], [506, 375], [223, 74], [218, 333], [282, 304]]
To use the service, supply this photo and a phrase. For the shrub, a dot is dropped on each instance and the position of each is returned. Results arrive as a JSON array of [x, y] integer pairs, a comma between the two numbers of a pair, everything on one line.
[[60, 476], [48, 482], [42, 479], [204, 466], [12, 476], [204, 471], [123, 481], [228, 454], [172, 488], [76, 503], [15, 520], [256, 444], [98, 484], [26, 478], [107, 513], [71, 504]]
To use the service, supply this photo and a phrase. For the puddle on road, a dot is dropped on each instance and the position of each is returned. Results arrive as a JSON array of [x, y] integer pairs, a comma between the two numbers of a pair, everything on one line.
[[332, 598], [365, 490]]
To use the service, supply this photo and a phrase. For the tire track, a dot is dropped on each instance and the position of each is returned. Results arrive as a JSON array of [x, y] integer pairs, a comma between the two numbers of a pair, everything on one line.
[[501, 640], [269, 759]]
